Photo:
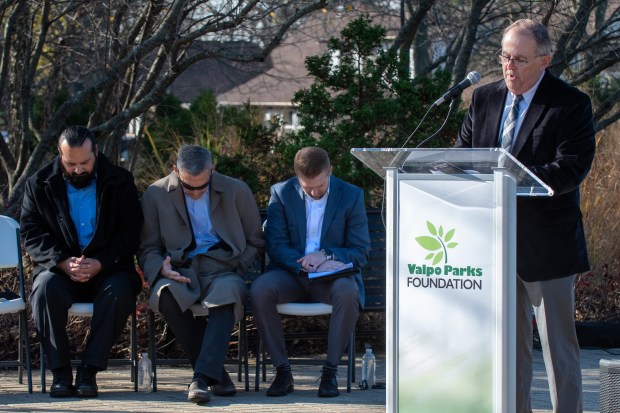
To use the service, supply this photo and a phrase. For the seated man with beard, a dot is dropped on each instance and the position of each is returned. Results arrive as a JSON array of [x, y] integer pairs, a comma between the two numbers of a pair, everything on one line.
[[80, 223]]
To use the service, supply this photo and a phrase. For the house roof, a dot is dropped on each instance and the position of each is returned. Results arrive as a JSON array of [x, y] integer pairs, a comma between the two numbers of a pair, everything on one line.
[[274, 81]]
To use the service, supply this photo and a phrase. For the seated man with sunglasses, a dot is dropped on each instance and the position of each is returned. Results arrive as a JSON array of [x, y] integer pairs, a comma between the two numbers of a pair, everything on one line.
[[202, 230]]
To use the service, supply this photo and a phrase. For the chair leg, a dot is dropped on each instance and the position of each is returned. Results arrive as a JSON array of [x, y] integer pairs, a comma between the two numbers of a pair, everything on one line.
[[243, 342], [20, 351], [134, 350], [25, 340], [350, 366], [264, 354], [353, 353], [239, 351], [259, 348], [42, 363], [152, 349]]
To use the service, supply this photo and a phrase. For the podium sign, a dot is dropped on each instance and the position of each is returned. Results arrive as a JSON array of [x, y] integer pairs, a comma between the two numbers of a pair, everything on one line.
[[451, 267]]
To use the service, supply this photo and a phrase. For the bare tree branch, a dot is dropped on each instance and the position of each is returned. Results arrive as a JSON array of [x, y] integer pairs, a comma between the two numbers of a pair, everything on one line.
[[115, 59]]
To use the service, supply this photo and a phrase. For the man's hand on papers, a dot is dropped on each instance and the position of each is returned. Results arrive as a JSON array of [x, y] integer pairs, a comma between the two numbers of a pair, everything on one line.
[[330, 266], [325, 274], [312, 261]]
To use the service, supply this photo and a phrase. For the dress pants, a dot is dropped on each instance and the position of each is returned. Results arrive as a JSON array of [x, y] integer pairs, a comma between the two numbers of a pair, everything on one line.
[[113, 295], [206, 356], [279, 286], [553, 303]]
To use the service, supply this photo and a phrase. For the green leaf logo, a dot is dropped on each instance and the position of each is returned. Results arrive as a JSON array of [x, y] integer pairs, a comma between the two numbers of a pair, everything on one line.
[[438, 243]]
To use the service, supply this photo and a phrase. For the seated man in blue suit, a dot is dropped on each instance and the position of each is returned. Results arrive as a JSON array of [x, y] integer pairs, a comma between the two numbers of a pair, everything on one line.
[[315, 222]]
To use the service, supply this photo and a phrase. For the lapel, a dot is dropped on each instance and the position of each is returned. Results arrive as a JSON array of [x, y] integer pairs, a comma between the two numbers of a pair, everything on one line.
[[333, 200], [534, 112], [221, 225], [298, 204], [176, 197], [56, 189], [496, 101], [214, 196]]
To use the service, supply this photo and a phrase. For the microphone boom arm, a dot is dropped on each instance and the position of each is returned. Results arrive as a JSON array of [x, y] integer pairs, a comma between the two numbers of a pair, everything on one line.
[[442, 127]]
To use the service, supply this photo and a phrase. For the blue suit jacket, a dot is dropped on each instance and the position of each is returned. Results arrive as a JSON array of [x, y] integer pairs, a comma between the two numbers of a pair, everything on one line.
[[556, 142], [344, 231]]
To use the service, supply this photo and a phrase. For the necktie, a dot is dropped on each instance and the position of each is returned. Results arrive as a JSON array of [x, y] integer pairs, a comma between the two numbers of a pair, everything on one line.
[[510, 123]]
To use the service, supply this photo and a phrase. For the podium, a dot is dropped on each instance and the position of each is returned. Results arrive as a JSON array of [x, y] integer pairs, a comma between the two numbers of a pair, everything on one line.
[[450, 274]]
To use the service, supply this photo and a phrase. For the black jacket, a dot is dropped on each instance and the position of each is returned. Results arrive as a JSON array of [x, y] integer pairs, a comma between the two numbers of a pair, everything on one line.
[[48, 231], [556, 142]]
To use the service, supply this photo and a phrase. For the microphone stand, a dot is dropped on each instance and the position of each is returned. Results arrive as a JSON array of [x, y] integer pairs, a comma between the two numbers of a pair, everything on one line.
[[445, 122], [398, 158], [442, 127]]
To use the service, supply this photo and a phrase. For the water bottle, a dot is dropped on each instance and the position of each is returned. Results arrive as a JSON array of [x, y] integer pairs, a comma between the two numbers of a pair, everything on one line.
[[368, 369], [145, 374]]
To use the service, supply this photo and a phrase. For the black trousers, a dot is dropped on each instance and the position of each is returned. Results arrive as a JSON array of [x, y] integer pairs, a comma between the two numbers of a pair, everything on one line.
[[205, 347], [113, 296]]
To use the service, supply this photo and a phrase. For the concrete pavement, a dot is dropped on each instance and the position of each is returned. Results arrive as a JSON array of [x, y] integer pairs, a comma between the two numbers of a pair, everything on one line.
[[117, 395]]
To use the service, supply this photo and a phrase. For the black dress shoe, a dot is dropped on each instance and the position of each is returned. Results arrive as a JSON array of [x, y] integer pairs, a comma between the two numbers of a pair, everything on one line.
[[86, 381], [329, 385], [282, 384], [225, 387], [62, 384], [198, 392]]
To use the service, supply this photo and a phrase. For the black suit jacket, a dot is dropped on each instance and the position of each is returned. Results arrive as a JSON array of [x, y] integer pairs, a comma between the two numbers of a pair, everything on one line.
[[48, 231], [556, 142]]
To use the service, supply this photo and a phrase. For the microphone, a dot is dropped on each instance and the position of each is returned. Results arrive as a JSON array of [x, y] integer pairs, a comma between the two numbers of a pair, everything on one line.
[[471, 79]]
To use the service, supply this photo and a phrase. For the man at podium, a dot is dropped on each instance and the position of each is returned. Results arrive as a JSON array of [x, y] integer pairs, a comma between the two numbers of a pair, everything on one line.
[[548, 126]]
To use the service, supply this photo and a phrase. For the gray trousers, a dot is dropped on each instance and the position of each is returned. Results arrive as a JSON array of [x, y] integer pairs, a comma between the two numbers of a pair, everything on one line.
[[553, 303], [279, 286]]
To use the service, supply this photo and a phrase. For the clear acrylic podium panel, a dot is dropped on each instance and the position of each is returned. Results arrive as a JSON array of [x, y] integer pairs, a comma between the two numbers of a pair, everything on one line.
[[469, 163], [433, 361]]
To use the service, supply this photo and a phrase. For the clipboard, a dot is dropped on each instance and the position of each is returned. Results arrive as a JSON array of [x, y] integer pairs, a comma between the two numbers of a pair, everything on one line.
[[347, 270]]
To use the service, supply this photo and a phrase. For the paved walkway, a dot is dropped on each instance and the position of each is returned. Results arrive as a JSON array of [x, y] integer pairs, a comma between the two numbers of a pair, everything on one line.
[[116, 393]]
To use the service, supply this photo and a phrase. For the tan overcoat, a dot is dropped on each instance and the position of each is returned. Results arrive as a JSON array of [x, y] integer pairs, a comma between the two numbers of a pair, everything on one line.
[[167, 232]]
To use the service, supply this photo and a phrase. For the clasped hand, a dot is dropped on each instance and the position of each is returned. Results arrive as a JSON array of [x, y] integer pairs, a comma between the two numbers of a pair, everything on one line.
[[318, 262], [80, 269]]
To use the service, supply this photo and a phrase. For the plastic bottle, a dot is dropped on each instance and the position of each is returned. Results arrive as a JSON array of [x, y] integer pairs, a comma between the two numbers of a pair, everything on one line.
[[368, 369], [145, 374]]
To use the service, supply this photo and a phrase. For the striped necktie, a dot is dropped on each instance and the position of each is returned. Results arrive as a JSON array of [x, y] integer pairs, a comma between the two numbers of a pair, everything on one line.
[[510, 123]]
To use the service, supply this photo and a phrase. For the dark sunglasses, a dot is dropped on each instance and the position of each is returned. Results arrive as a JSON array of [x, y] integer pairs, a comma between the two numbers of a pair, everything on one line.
[[195, 188]]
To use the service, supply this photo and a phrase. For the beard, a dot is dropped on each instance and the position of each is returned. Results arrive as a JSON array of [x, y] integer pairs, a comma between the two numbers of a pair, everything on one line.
[[82, 180]]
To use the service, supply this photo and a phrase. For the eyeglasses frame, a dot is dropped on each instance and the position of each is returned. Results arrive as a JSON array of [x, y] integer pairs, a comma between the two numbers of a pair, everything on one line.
[[517, 62]]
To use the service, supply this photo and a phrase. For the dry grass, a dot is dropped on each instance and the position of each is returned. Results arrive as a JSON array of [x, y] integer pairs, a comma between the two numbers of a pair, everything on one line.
[[601, 202], [597, 293]]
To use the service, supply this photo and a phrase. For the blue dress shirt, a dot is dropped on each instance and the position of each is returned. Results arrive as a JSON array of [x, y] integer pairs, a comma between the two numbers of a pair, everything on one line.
[[83, 210]]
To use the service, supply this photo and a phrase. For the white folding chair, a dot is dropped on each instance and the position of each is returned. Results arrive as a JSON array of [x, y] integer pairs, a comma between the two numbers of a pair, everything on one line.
[[86, 310], [11, 257], [306, 310]]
